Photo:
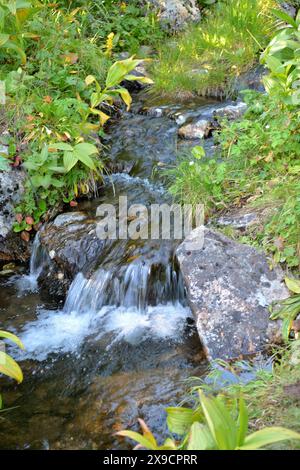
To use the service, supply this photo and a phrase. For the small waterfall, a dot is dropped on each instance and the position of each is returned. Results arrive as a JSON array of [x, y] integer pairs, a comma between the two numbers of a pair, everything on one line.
[[38, 260], [139, 285], [133, 303]]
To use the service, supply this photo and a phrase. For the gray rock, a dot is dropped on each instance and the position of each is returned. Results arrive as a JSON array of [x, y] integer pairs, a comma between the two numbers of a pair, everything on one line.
[[238, 221], [11, 188], [229, 288], [176, 13], [289, 9], [196, 130], [71, 242], [231, 111]]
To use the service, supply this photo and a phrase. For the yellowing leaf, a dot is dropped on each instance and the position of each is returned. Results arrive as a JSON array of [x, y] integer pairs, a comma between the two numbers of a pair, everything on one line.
[[293, 285]]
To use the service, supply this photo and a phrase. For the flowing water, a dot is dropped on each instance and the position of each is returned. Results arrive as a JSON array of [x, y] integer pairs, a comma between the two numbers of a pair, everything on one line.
[[122, 344]]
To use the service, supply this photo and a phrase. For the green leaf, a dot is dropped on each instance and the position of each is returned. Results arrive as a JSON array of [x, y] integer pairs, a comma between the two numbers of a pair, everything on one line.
[[70, 160], [87, 148], [62, 146], [242, 422], [200, 438], [293, 285], [11, 337], [119, 70], [180, 419], [282, 15], [220, 423], [268, 436], [9, 367], [85, 159], [125, 95]]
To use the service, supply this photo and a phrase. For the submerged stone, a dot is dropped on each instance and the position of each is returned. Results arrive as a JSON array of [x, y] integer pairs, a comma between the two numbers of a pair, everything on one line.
[[229, 289]]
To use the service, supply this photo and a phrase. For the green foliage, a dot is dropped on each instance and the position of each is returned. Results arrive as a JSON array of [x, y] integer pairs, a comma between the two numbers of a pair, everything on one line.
[[221, 426], [282, 57], [207, 57], [130, 24], [8, 365], [52, 109], [259, 167], [14, 14], [290, 308], [198, 179]]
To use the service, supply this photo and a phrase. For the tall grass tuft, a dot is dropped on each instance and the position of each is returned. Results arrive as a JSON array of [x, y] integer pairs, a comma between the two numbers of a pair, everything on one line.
[[206, 59]]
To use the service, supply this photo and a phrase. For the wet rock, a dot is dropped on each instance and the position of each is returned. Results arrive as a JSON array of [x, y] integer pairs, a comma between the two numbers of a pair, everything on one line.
[[231, 112], [11, 188], [229, 289], [71, 243], [174, 14], [197, 130]]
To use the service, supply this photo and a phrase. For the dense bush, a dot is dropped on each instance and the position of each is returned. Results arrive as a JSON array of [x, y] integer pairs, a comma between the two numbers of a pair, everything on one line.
[[260, 158]]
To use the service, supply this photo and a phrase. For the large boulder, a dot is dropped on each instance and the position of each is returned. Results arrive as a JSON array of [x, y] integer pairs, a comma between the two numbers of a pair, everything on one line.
[[229, 289], [176, 13]]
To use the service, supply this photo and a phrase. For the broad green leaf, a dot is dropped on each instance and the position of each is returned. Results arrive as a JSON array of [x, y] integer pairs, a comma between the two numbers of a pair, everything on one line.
[[90, 79], [84, 158], [11, 337], [242, 422], [87, 148], [200, 438], [142, 79], [125, 95], [180, 419], [62, 146], [268, 436], [9, 367], [70, 160], [220, 423], [293, 285], [119, 70]]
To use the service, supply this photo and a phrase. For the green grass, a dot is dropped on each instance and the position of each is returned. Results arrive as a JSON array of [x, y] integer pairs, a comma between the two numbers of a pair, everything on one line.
[[206, 59], [269, 397]]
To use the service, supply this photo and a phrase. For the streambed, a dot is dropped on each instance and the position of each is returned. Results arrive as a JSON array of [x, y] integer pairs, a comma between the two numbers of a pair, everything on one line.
[[123, 343]]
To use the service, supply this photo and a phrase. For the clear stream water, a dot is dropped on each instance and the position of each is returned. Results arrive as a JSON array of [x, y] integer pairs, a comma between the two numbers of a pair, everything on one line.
[[122, 344]]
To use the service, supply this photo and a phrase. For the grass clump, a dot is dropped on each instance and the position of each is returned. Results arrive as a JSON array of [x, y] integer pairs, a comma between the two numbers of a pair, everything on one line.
[[207, 58]]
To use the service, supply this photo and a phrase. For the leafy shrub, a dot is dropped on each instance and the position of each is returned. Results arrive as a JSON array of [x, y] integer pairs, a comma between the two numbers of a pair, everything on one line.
[[260, 156], [14, 14], [214, 425], [290, 308], [282, 59], [131, 24]]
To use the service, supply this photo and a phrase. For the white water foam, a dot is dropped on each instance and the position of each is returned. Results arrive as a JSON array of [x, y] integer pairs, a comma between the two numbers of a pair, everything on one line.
[[65, 332], [38, 260]]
